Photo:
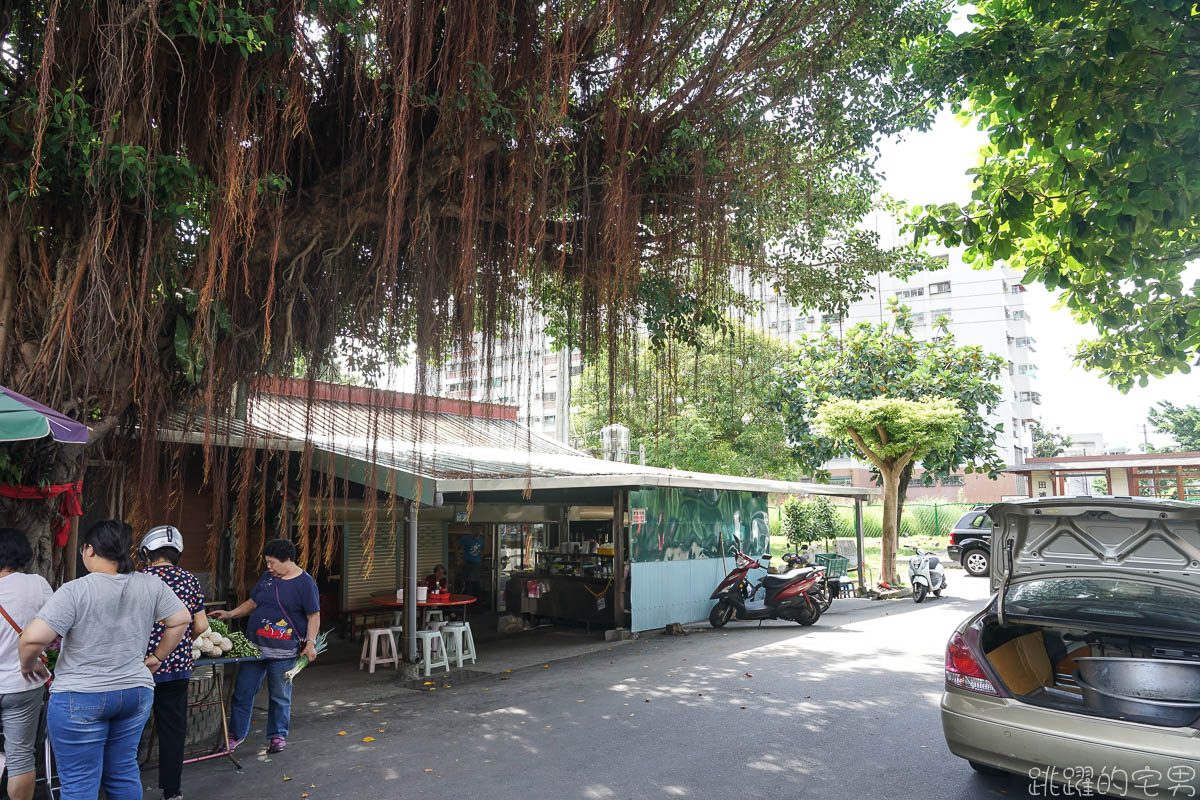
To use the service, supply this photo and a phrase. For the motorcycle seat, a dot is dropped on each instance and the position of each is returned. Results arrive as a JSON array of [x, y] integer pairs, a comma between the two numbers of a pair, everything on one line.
[[933, 561], [785, 578]]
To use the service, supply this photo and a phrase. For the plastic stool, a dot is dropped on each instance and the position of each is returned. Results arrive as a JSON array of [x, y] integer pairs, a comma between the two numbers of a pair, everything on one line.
[[433, 650], [433, 615], [371, 656], [460, 644]]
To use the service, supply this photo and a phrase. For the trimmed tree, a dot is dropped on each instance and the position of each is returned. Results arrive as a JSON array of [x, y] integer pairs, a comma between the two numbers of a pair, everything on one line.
[[887, 360], [891, 433], [808, 520]]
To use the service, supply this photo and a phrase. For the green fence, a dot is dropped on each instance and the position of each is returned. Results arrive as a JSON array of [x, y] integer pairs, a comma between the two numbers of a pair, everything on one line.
[[918, 519]]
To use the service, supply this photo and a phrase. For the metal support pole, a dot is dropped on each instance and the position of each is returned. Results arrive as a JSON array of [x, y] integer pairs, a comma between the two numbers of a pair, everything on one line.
[[618, 532], [858, 537], [410, 585]]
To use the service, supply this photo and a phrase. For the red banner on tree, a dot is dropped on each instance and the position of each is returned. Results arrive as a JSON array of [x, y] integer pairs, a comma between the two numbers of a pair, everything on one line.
[[69, 505]]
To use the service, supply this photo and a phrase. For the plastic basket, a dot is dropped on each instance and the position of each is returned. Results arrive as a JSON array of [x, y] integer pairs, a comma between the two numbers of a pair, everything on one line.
[[835, 565]]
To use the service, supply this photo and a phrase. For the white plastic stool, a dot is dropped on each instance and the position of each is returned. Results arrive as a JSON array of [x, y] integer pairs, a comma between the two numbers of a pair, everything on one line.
[[433, 650], [433, 615], [371, 656], [460, 644]]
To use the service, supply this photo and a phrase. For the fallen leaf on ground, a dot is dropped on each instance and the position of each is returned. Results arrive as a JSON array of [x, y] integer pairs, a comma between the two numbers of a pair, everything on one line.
[[286, 778], [375, 710], [381, 730], [429, 770], [545, 666], [427, 683], [368, 738], [342, 733], [748, 675]]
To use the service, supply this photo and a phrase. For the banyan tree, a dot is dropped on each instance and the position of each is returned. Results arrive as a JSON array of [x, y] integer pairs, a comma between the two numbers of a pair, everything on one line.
[[202, 193]]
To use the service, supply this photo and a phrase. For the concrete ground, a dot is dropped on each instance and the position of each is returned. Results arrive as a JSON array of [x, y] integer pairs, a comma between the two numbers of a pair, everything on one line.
[[846, 708]]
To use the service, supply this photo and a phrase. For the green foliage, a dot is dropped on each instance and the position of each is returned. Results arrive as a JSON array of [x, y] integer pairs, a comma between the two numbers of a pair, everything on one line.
[[891, 430], [920, 519], [1048, 443], [689, 407], [887, 360], [807, 520], [1181, 423], [1089, 182]]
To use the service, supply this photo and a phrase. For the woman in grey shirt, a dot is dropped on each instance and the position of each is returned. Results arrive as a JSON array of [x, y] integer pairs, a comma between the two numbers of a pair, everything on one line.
[[103, 687]]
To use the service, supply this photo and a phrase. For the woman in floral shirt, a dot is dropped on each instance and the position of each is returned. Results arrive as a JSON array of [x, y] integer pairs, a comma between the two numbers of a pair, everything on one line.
[[160, 551]]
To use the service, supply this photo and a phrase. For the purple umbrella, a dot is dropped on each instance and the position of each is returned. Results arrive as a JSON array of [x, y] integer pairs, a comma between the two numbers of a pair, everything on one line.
[[22, 419]]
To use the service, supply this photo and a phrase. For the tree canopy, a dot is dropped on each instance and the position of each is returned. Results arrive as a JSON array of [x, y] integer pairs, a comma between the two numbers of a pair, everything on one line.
[[1048, 443], [201, 194], [887, 359], [1181, 423], [1089, 182], [706, 409], [891, 433]]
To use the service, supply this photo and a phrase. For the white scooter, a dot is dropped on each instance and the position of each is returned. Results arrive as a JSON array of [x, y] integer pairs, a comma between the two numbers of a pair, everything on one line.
[[926, 574]]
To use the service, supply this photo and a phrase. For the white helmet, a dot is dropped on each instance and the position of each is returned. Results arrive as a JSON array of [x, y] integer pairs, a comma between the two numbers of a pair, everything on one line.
[[162, 536]]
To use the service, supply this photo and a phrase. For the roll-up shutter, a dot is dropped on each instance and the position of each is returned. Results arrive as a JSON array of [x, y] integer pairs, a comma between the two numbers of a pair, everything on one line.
[[383, 570]]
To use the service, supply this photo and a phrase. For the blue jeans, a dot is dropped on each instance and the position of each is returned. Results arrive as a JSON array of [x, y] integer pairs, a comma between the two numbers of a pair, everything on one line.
[[279, 697], [95, 737]]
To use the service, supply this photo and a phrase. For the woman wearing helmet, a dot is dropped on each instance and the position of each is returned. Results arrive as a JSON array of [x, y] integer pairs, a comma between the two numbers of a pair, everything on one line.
[[160, 551]]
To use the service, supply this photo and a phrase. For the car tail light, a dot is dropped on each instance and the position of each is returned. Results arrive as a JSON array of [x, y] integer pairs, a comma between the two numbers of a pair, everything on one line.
[[963, 670]]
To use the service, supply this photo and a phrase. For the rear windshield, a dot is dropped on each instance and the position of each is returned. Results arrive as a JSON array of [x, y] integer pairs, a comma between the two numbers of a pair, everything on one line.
[[1107, 601]]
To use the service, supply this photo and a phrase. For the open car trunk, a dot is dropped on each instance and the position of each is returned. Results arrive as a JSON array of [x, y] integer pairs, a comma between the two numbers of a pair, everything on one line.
[[1039, 663]]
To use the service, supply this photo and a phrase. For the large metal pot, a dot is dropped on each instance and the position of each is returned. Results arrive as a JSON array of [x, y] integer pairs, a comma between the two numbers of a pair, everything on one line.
[[1152, 712], [1143, 678]]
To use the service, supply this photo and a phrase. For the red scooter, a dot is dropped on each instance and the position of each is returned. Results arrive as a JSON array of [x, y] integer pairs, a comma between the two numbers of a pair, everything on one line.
[[791, 596]]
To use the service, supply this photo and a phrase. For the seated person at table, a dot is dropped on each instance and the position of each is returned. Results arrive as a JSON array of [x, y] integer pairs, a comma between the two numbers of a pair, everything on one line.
[[437, 581]]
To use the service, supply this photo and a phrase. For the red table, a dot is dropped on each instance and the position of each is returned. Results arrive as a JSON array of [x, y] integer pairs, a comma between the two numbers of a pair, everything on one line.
[[445, 601]]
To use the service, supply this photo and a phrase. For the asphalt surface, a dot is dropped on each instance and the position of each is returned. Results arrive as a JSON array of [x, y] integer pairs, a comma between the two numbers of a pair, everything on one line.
[[846, 708]]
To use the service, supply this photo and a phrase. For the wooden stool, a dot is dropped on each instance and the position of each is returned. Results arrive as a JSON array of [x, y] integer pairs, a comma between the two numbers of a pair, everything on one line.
[[371, 656], [433, 650], [460, 644]]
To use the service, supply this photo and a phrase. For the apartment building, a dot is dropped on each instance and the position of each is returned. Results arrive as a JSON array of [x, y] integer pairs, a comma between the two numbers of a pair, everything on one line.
[[527, 370]]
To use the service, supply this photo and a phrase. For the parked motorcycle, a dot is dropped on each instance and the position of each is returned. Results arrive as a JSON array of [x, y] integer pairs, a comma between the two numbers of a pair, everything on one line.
[[792, 595], [926, 574]]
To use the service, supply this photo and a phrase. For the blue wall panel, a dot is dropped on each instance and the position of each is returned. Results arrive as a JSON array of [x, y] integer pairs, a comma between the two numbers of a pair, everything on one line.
[[673, 591]]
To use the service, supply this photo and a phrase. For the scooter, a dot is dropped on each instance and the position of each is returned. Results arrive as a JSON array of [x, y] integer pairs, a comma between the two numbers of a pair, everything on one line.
[[926, 574], [790, 596]]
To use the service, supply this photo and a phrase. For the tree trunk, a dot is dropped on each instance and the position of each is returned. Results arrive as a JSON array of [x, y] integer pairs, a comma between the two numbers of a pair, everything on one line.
[[901, 494], [891, 486], [38, 519]]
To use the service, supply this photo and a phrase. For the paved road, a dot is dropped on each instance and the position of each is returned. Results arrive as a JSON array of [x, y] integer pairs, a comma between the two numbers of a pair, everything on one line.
[[847, 708]]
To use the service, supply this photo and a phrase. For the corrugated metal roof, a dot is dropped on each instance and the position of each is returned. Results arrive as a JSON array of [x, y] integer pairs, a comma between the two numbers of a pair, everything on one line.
[[448, 452]]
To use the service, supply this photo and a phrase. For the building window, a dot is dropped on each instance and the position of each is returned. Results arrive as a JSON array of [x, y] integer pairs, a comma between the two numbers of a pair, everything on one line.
[[942, 312], [550, 397], [942, 287], [840, 480], [548, 419], [576, 370], [1041, 484], [905, 294], [954, 480], [918, 318], [831, 319], [1031, 397]]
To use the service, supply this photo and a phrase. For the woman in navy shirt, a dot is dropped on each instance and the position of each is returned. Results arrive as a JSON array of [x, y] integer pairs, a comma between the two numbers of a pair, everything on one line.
[[284, 614]]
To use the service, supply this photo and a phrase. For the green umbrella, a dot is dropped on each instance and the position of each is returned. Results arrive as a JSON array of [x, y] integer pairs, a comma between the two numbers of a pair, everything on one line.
[[22, 419]]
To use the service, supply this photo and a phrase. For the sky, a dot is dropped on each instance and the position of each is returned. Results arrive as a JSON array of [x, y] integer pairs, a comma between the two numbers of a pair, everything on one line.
[[930, 167]]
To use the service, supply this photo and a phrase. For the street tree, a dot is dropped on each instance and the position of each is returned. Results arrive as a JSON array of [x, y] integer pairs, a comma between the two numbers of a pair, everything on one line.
[[891, 433], [889, 360], [199, 195], [1088, 183], [708, 408], [1048, 443], [1181, 423]]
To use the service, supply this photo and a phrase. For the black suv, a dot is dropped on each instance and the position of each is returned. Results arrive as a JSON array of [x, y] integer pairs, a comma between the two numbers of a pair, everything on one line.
[[971, 542]]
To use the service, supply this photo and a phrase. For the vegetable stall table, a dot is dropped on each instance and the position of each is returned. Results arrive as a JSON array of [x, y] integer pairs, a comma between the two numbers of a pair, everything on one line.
[[215, 697], [388, 600]]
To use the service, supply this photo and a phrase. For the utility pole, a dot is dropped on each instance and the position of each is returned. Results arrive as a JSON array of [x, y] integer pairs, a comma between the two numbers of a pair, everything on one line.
[[1145, 439], [562, 396]]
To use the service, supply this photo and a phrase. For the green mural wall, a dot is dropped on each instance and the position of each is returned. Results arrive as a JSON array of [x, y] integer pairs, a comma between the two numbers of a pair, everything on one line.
[[682, 524]]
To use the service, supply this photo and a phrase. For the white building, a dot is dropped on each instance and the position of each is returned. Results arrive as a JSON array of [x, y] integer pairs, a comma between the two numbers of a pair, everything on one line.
[[527, 370], [984, 307], [1085, 444]]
